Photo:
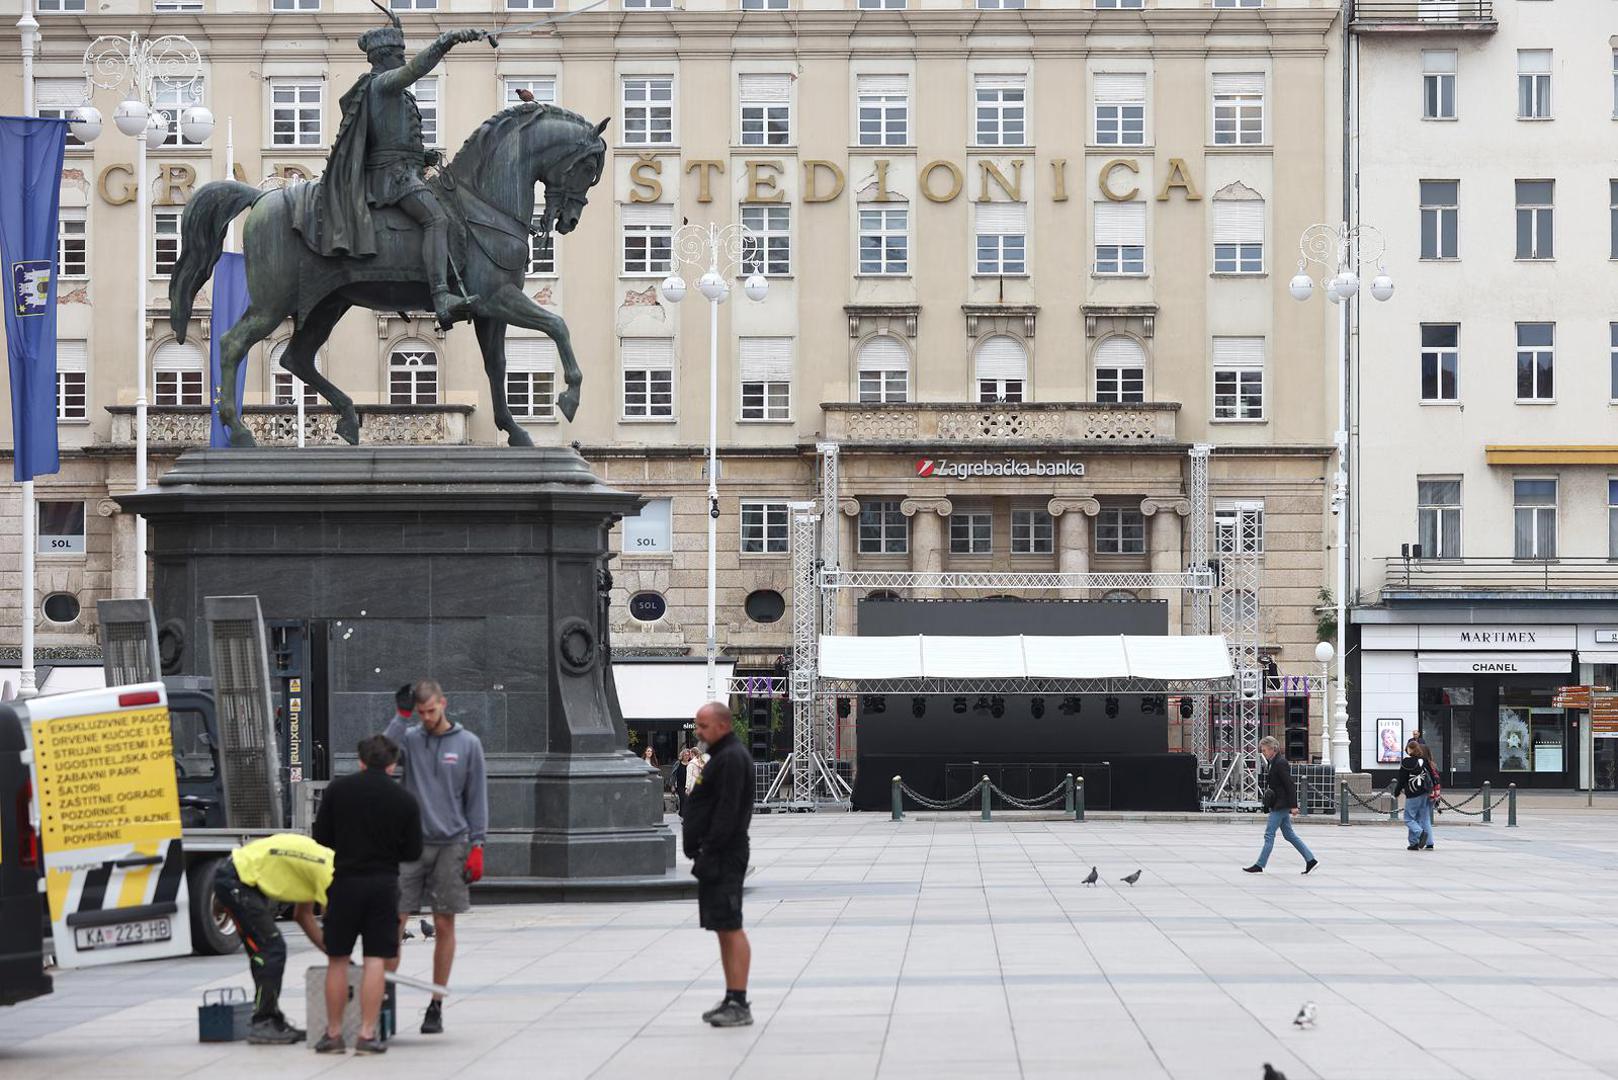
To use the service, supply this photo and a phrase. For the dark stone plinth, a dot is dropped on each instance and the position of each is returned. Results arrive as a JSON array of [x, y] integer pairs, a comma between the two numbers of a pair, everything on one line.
[[483, 568]]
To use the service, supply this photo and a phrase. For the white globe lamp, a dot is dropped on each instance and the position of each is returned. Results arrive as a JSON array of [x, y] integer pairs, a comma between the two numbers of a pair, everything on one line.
[[673, 288], [1348, 283], [157, 128], [196, 124], [756, 287], [1324, 652], [1331, 292], [1382, 285], [130, 116], [86, 124], [1301, 287], [712, 285]]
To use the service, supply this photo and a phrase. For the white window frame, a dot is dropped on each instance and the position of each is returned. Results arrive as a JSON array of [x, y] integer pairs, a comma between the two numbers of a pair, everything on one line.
[[1238, 235], [764, 5], [66, 544], [1533, 355], [647, 239], [971, 532], [60, 99], [1435, 354], [431, 109], [1239, 526], [647, 379], [1000, 5], [880, 5], [73, 243], [1612, 518], [1000, 109], [1615, 84], [284, 385], [59, 6], [1238, 108], [1438, 73], [1000, 366], [176, 7], [542, 255], [1541, 221], [764, 102], [1612, 218], [530, 5], [641, 96], [172, 97], [1033, 531], [1120, 5], [1002, 239], [1119, 236], [1120, 371], [1534, 68], [531, 366], [1238, 3], [165, 241], [882, 110], [1120, 531], [411, 379], [766, 527], [72, 382], [1119, 111], [1612, 354], [543, 87], [179, 376], [300, 135], [1435, 216], [1543, 540], [767, 249], [413, 5], [1239, 392], [883, 371], [764, 379], [1433, 516], [882, 528], [648, 5], [888, 230], [294, 5]]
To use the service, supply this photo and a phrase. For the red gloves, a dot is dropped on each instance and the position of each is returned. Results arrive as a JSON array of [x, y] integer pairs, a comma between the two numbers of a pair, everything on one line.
[[474, 865]]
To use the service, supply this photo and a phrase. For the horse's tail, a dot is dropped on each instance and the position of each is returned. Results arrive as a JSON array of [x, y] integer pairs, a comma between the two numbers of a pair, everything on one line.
[[203, 226]]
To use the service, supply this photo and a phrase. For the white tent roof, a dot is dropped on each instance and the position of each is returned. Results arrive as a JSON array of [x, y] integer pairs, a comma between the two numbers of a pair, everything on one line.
[[1164, 659], [665, 689]]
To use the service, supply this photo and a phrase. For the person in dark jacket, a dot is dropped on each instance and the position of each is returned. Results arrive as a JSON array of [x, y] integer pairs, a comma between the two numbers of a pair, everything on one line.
[[714, 833], [1415, 783], [677, 780], [372, 824], [1281, 801]]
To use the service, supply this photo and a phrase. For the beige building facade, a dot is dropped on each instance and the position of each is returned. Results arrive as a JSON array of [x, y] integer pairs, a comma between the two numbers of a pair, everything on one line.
[[1019, 262]]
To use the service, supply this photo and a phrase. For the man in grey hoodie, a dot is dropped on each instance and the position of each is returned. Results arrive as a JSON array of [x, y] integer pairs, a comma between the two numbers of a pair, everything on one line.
[[444, 771]]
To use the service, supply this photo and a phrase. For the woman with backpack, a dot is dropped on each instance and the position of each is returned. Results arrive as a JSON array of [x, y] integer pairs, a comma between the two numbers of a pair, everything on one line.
[[1415, 783]]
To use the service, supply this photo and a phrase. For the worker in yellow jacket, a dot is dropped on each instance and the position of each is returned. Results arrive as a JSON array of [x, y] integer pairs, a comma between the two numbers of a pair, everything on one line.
[[256, 880]]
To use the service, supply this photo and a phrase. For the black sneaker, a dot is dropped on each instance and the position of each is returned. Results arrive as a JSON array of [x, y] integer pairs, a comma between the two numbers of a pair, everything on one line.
[[433, 1022], [1310, 865], [713, 1012], [373, 1045], [1413, 847], [1429, 847], [732, 1014], [1254, 869], [330, 1044], [273, 1031]]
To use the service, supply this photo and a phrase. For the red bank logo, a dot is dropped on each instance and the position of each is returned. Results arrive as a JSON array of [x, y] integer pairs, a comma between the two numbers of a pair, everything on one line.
[[924, 467]]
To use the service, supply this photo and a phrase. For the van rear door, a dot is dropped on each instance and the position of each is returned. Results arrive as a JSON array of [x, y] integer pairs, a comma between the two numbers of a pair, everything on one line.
[[22, 924]]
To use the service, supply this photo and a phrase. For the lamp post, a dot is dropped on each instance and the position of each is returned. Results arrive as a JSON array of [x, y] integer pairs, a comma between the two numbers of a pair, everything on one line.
[[1323, 654], [1340, 250], [137, 65], [725, 251]]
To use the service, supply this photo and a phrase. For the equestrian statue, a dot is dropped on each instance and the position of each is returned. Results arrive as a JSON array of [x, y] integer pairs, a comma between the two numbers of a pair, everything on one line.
[[375, 231]]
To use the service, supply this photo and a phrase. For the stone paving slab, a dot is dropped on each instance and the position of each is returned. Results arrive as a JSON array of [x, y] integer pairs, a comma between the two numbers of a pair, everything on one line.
[[955, 948]]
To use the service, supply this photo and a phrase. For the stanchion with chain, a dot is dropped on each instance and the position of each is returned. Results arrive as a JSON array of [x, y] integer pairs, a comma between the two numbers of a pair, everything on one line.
[[985, 786], [1078, 800], [1488, 811], [1511, 806], [1067, 800], [898, 800], [1342, 803]]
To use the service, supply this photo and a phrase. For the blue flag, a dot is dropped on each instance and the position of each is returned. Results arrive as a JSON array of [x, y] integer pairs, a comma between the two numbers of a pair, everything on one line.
[[30, 189], [230, 302]]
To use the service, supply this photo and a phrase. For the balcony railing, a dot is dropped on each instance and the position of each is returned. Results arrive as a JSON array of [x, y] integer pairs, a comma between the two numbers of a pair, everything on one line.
[[1000, 423], [277, 425], [1418, 15], [1574, 578]]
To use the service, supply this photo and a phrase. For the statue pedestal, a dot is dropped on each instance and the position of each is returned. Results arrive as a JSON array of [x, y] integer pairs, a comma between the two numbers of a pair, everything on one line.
[[483, 568]]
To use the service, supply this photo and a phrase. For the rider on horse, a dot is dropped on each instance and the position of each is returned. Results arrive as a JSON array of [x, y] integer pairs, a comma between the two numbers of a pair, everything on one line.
[[377, 161]]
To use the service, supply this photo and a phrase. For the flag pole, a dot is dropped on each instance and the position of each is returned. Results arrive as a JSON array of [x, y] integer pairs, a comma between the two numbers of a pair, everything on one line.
[[29, 28]]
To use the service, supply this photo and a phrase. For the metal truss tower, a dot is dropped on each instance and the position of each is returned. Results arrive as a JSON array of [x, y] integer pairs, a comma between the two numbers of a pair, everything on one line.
[[1197, 559], [1238, 596]]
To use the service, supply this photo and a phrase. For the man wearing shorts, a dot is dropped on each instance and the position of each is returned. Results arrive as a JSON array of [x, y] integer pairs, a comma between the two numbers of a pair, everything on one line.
[[714, 834], [444, 771], [373, 825]]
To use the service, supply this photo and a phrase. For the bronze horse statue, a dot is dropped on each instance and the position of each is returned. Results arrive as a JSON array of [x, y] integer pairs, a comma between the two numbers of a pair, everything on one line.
[[488, 190]]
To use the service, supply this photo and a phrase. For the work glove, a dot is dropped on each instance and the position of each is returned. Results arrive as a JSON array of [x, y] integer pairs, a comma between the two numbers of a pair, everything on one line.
[[473, 870], [404, 699]]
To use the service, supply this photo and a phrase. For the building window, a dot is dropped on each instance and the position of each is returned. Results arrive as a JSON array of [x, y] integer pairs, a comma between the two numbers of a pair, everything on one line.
[[651, 532], [172, 98], [1032, 532], [1438, 84], [884, 241], [1615, 84], [1533, 84], [295, 108], [1440, 362], [884, 110], [648, 378], [177, 375], [60, 5], [1535, 208], [541, 253], [1002, 238], [294, 5], [764, 5], [1120, 371], [1134, 5], [1237, 3], [1238, 376], [1120, 532], [1534, 516], [72, 249], [176, 7], [884, 371], [165, 242], [1536, 361], [286, 383], [648, 5], [970, 533], [1120, 108], [1001, 369], [1238, 108], [425, 91], [1120, 237], [413, 5], [764, 528], [1438, 518], [883, 529], [413, 374], [1612, 214], [72, 381], [649, 111], [59, 99], [881, 5], [768, 250], [1238, 236], [1612, 518], [1239, 528], [648, 239], [1440, 219], [531, 378], [766, 103], [1612, 335], [765, 371], [1002, 109], [542, 87], [60, 528], [999, 5]]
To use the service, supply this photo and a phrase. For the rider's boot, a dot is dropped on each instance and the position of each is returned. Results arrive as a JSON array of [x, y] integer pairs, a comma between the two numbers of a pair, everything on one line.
[[451, 308]]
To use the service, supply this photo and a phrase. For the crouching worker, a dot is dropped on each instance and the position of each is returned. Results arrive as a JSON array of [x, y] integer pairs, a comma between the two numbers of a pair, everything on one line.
[[256, 880]]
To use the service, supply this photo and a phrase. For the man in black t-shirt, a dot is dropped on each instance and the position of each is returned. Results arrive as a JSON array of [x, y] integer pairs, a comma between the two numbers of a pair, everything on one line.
[[373, 824], [715, 839]]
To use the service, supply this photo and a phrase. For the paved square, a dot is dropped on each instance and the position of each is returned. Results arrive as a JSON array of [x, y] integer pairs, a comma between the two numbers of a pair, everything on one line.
[[934, 949]]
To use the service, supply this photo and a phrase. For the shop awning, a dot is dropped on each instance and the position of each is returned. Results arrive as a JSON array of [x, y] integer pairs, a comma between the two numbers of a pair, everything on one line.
[[923, 656], [1551, 454], [665, 689]]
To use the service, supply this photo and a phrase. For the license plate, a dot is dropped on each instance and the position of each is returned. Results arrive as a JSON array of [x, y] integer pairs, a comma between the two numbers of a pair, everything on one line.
[[113, 935]]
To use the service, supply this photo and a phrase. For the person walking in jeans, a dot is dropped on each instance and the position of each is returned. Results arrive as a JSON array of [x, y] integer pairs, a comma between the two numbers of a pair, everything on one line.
[[1415, 783], [1281, 800]]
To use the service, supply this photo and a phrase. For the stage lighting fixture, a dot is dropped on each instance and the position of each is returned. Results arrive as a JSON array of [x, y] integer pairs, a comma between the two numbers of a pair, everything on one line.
[[918, 707], [997, 707], [981, 704], [1037, 707], [1186, 708], [960, 705], [843, 706], [1071, 705], [874, 704], [1112, 707]]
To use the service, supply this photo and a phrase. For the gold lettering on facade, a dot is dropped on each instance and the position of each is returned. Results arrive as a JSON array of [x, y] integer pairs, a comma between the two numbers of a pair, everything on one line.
[[238, 174], [761, 185], [705, 168], [1178, 176], [647, 188], [988, 170], [882, 192], [174, 185], [956, 179], [126, 191], [811, 188], [1059, 179], [1104, 181]]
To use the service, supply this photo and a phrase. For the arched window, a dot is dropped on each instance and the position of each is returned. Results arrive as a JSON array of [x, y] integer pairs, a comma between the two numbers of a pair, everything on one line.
[[1120, 371], [178, 375], [413, 374], [1001, 369], [285, 380], [884, 367], [531, 378]]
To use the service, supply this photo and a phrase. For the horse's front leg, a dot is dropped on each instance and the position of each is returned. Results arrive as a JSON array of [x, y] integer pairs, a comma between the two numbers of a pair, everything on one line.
[[492, 340], [511, 305]]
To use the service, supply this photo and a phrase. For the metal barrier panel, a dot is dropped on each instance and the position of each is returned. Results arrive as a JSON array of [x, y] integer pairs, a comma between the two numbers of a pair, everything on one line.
[[1317, 788]]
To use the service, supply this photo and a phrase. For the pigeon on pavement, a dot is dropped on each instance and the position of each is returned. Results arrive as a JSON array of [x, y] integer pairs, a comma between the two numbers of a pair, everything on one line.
[[1272, 1073], [1132, 878], [1093, 878], [426, 928], [1306, 1015]]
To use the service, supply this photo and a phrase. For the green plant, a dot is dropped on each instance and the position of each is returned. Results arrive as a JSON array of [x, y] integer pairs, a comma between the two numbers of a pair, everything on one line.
[[1326, 617], [738, 721]]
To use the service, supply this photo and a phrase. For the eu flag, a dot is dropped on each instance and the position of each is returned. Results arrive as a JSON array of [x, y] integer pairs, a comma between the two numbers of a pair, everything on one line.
[[30, 189], [230, 302]]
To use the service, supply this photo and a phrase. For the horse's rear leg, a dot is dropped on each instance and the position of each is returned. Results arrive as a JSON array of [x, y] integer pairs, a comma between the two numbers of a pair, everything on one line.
[[299, 358], [492, 340], [509, 304], [253, 327]]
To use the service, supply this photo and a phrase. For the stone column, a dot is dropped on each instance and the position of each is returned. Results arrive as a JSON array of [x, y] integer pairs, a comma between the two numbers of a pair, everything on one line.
[[927, 535], [1073, 517], [848, 539], [1163, 515]]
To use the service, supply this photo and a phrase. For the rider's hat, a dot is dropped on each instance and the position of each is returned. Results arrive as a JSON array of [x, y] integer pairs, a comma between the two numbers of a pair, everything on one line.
[[381, 37]]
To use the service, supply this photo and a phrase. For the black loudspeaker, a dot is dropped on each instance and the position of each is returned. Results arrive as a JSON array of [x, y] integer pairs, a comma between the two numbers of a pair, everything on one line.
[[1297, 740]]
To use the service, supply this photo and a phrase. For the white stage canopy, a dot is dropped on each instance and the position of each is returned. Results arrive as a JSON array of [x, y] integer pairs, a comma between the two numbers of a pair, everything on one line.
[[923, 656], [672, 689]]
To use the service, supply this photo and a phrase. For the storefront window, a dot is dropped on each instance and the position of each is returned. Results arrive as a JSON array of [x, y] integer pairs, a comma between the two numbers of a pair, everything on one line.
[[1533, 736], [1446, 725]]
